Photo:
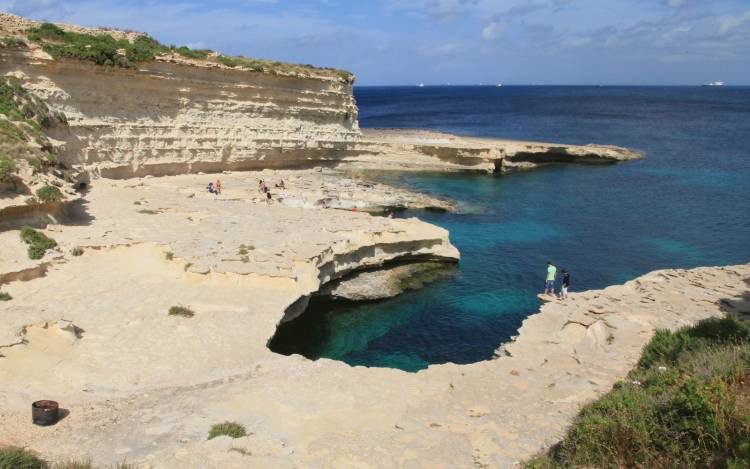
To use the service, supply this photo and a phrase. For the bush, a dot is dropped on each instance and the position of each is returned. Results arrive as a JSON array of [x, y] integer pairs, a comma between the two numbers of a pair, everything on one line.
[[76, 251], [5, 296], [181, 311], [169, 256], [230, 429], [17, 458], [49, 194], [7, 167], [666, 346], [38, 242], [192, 53], [686, 404]]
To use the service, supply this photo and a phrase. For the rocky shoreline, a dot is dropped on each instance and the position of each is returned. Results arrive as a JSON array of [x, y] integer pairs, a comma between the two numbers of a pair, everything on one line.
[[116, 360]]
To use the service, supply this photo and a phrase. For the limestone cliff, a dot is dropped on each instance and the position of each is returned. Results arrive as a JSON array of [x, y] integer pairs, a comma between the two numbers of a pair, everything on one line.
[[173, 115]]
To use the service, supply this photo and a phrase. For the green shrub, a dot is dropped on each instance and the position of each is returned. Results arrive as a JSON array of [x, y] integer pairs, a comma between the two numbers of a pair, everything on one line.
[[17, 458], [38, 242], [7, 167], [12, 43], [181, 311], [76, 251], [143, 49], [49, 194], [686, 404], [192, 53], [666, 346], [230, 429], [169, 256], [5, 296]]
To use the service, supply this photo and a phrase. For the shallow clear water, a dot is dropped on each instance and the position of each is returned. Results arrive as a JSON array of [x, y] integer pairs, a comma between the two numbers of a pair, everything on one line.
[[686, 205]]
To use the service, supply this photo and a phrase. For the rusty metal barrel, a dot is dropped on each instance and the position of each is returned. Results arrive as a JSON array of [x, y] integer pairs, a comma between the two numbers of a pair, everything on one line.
[[45, 412]]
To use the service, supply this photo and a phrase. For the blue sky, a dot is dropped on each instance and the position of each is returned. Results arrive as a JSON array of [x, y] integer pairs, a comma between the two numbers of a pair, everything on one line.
[[450, 41]]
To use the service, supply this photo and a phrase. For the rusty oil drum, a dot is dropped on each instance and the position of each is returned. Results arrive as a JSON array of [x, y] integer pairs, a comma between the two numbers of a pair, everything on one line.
[[45, 413]]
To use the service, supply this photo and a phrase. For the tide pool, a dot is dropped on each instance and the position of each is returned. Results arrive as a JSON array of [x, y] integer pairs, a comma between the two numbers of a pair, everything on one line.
[[686, 205]]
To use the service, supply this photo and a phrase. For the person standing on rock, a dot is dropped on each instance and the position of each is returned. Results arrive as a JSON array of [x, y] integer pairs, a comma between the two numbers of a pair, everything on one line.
[[565, 284], [549, 288]]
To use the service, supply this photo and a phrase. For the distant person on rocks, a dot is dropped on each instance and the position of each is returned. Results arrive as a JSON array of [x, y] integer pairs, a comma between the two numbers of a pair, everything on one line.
[[391, 215], [211, 188], [268, 197], [280, 185], [551, 277], [565, 284], [218, 186], [262, 187]]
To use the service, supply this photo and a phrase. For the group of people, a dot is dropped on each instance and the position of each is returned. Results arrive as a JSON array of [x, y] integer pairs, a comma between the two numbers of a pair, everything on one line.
[[263, 189], [215, 188], [549, 287]]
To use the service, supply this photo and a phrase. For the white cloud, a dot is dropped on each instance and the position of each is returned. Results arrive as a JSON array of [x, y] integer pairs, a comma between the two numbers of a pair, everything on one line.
[[730, 23], [491, 31], [35, 7]]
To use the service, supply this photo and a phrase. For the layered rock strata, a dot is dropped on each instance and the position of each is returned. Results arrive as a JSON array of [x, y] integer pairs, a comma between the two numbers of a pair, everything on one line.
[[418, 150]]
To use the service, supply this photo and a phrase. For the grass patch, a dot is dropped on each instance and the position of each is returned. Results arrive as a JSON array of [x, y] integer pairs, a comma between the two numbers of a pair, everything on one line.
[[76, 251], [38, 242], [198, 54], [17, 458], [7, 168], [73, 465], [687, 404], [181, 311], [230, 429], [169, 255], [49, 194], [149, 212], [5, 296]]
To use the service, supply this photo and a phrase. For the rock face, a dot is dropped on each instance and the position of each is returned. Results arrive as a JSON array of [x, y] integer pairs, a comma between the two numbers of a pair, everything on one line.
[[172, 119], [172, 116], [419, 150], [388, 282]]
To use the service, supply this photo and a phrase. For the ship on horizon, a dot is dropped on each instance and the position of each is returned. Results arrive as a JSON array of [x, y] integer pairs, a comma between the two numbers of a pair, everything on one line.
[[714, 83]]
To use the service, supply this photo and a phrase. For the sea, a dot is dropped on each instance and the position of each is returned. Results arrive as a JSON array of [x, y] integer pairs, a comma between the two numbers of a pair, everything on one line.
[[687, 204]]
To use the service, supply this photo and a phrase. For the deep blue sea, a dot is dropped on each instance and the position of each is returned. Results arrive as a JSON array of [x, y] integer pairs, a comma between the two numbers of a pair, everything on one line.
[[686, 205]]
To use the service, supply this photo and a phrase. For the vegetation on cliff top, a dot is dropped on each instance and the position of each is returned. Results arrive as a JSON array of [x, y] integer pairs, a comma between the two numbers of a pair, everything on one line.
[[687, 404], [103, 49]]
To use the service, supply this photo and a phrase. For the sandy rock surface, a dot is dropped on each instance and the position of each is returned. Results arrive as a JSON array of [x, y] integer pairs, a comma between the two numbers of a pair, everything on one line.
[[139, 384]]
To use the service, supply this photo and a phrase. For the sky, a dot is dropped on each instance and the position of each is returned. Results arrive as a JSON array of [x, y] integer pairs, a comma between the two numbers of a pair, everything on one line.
[[404, 42]]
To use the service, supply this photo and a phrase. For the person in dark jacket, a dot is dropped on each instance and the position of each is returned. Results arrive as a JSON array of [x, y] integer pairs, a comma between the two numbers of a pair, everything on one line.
[[565, 284]]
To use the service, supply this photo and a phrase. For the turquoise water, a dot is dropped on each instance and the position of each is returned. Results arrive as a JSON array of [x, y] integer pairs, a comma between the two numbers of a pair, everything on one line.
[[686, 205]]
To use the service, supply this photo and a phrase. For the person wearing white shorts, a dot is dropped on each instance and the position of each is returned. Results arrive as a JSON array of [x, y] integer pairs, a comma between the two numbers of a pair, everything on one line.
[[565, 284]]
